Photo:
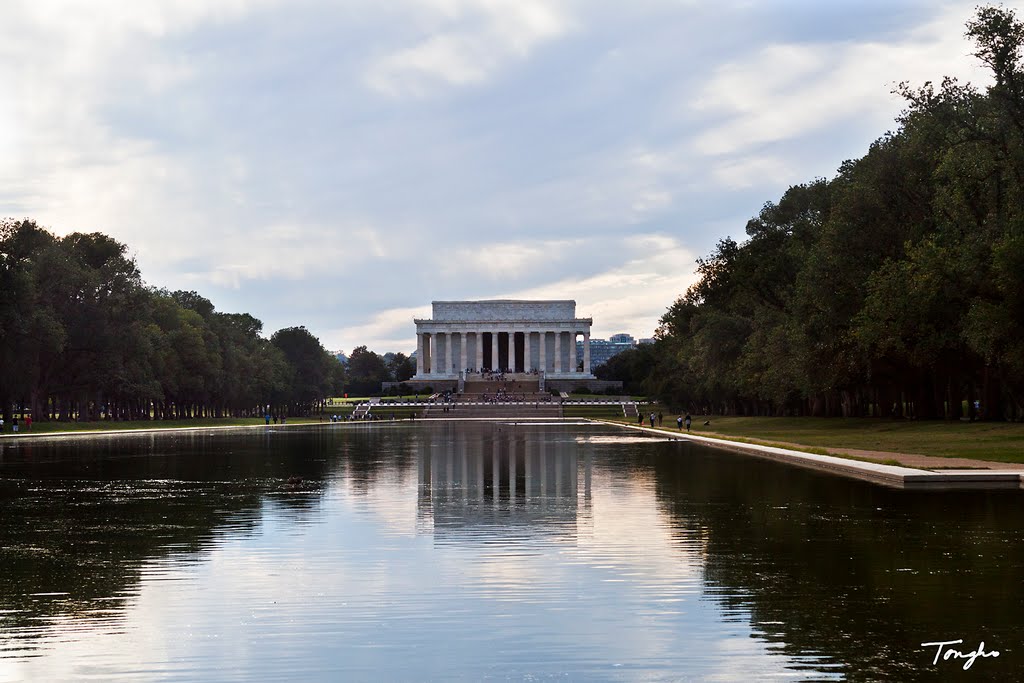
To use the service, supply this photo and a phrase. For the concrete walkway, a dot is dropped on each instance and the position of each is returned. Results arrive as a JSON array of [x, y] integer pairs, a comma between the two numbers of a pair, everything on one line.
[[1004, 476]]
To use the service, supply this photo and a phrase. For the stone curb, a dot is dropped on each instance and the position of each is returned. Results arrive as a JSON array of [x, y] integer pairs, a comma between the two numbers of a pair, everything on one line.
[[886, 475]]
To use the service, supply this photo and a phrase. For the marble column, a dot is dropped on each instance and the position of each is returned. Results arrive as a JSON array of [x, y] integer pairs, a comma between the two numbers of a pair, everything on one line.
[[443, 340], [479, 336], [419, 353], [527, 355], [436, 362], [462, 351], [572, 352], [586, 351], [428, 344], [543, 360], [494, 352], [449, 351], [511, 351], [558, 351], [449, 361]]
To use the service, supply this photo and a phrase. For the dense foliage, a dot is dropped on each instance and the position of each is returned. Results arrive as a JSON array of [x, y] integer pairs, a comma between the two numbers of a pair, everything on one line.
[[82, 337], [895, 288]]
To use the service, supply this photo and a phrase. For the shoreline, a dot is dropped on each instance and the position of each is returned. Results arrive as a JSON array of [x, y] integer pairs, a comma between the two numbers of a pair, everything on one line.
[[903, 475], [893, 476]]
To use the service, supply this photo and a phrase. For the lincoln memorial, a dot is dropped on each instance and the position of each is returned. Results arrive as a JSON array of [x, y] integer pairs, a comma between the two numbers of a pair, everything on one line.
[[510, 336]]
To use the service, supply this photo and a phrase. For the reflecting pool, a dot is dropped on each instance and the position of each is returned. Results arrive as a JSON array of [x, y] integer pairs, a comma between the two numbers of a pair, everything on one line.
[[471, 551]]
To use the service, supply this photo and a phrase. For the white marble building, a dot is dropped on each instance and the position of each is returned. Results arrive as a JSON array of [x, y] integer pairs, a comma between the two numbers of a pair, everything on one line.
[[502, 335]]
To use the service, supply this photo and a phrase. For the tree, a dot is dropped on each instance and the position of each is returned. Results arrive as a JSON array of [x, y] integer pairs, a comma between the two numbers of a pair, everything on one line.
[[314, 372], [401, 367], [366, 372]]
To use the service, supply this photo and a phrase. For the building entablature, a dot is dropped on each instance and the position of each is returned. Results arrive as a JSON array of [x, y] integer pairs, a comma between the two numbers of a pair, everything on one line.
[[503, 309], [429, 325]]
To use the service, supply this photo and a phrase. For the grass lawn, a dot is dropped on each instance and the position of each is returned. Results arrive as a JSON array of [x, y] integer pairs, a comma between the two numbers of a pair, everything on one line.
[[108, 425], [999, 441], [601, 397], [613, 412], [384, 411], [43, 428], [353, 400]]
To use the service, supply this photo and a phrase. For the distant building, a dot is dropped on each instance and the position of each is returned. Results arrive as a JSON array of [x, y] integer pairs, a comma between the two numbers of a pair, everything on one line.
[[342, 358], [507, 335], [529, 342], [646, 340], [603, 349]]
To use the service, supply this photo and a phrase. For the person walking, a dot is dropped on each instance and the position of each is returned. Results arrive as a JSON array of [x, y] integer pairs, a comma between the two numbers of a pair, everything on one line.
[[652, 420], [679, 422], [660, 417], [688, 421], [14, 424]]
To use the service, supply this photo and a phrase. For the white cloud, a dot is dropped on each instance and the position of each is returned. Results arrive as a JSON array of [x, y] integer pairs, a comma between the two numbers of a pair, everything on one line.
[[465, 43], [752, 171], [496, 261], [784, 91], [653, 271], [389, 330], [290, 251], [610, 189]]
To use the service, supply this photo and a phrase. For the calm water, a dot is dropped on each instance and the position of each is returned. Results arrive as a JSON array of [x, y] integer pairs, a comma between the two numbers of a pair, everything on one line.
[[470, 552]]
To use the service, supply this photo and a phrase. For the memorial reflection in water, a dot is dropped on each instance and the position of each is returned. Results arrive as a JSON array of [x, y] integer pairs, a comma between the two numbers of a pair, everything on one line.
[[503, 474]]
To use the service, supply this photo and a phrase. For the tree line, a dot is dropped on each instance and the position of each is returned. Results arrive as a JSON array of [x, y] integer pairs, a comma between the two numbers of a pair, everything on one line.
[[83, 337], [367, 371], [895, 288]]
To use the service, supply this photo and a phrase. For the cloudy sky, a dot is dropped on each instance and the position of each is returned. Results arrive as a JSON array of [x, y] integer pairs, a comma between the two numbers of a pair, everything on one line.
[[340, 164]]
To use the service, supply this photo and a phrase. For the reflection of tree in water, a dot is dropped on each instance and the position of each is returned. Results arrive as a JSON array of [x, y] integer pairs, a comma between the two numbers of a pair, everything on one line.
[[364, 454], [80, 519], [85, 541], [855, 572]]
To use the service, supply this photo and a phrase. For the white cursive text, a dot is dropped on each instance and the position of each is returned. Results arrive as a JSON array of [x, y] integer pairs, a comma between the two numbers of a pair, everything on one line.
[[950, 653]]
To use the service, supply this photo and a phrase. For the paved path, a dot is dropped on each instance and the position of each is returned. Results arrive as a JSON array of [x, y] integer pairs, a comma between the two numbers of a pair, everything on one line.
[[915, 460], [912, 473], [929, 462]]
